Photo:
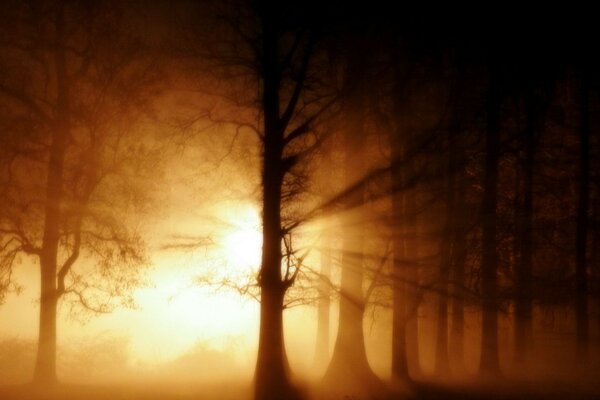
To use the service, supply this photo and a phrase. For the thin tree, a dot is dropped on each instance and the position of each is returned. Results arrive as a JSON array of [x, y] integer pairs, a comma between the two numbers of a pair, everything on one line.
[[489, 362], [581, 239]]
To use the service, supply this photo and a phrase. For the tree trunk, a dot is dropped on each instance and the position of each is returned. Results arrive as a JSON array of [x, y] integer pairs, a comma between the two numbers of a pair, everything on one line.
[[323, 311], [581, 278], [523, 276], [45, 366], [413, 297], [489, 362], [457, 333], [271, 378], [399, 285], [405, 343], [442, 365], [349, 362], [349, 359]]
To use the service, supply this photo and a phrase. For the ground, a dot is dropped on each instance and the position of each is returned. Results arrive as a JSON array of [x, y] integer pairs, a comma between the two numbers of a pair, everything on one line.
[[232, 391]]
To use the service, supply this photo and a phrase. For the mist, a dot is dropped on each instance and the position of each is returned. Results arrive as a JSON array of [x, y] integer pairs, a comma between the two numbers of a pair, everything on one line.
[[301, 201]]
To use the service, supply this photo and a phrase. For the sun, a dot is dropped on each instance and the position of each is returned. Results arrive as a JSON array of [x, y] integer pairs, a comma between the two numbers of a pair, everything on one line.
[[241, 242], [187, 311]]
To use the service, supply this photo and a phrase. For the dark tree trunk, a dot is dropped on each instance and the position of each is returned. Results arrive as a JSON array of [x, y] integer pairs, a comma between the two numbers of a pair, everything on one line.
[[489, 362], [457, 333], [45, 365], [271, 379], [442, 365], [399, 285], [595, 250], [523, 276], [413, 296], [581, 278], [405, 285]]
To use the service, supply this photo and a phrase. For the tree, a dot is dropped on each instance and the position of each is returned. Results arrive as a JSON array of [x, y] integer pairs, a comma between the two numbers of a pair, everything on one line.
[[262, 62], [274, 47], [279, 137], [405, 283], [489, 363], [322, 347], [72, 83], [537, 96], [581, 238], [349, 359]]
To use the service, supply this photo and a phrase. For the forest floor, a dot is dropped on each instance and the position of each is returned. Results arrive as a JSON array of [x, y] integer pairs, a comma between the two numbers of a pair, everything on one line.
[[506, 390], [231, 391], [149, 391]]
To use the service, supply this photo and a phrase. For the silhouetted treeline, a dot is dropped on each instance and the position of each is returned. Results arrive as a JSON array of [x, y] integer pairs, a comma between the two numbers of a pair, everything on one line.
[[492, 183]]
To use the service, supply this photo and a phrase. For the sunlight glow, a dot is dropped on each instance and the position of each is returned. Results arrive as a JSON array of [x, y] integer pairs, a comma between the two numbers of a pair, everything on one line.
[[189, 308], [242, 241]]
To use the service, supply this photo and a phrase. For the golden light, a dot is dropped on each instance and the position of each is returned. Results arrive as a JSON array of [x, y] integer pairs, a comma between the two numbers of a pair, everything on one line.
[[242, 241], [180, 309]]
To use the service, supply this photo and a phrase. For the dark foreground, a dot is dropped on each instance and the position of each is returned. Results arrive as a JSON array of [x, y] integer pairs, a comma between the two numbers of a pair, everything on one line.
[[229, 391], [540, 390]]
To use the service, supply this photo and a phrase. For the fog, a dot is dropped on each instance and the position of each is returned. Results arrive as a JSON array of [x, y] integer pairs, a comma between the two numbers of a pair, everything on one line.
[[311, 200]]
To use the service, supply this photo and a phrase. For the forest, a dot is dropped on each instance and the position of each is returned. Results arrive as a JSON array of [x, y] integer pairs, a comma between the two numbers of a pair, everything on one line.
[[285, 200]]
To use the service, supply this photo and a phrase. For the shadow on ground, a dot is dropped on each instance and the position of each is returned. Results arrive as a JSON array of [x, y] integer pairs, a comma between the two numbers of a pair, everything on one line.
[[509, 390], [236, 391]]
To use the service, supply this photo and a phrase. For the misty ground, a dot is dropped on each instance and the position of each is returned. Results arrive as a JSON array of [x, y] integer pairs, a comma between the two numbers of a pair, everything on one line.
[[506, 390]]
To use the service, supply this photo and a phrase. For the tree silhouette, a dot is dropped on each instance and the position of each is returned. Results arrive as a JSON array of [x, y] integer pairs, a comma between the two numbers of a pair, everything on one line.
[[71, 83], [272, 49]]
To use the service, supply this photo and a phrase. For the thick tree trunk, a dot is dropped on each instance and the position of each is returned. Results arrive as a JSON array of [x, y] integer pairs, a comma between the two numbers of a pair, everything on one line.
[[399, 358], [271, 378], [581, 278], [45, 366], [489, 362], [349, 362]]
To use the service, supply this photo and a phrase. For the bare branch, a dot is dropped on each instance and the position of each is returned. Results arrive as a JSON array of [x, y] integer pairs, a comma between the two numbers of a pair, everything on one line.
[[184, 242], [298, 87]]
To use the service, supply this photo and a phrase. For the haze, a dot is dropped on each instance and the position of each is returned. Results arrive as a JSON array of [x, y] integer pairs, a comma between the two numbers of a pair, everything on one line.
[[300, 200]]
